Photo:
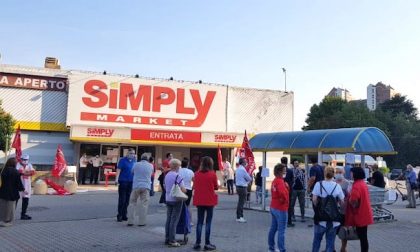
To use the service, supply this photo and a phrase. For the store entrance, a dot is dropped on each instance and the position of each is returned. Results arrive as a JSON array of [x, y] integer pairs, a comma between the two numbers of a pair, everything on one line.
[[197, 153], [110, 154]]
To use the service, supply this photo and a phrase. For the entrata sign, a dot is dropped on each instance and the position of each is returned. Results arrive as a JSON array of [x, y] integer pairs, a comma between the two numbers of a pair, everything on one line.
[[116, 101], [33, 82], [165, 136]]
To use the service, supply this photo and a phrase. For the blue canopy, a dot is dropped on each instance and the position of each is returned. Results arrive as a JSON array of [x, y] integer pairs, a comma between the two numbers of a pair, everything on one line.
[[346, 140]]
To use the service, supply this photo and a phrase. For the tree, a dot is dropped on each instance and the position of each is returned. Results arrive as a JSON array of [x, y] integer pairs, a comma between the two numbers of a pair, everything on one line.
[[324, 115], [399, 105], [6, 129], [333, 113], [396, 117]]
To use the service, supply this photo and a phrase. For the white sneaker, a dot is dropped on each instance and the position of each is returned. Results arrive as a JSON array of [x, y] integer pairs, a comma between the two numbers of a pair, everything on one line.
[[241, 220], [5, 224]]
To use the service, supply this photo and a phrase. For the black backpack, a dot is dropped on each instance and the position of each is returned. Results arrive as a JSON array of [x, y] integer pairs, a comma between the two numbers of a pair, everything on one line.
[[328, 207]]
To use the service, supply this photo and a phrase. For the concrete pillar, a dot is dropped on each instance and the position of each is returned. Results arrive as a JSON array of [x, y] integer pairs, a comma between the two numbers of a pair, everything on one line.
[[264, 180]]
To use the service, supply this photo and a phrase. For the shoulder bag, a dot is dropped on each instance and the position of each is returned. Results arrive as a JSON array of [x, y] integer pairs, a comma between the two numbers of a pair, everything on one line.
[[347, 233], [176, 191]]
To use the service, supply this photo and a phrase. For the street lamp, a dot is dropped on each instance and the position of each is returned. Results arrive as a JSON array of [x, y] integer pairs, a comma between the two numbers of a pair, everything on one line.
[[284, 71]]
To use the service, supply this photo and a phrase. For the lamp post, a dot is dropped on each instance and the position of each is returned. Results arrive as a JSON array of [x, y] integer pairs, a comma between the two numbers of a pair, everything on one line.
[[284, 71]]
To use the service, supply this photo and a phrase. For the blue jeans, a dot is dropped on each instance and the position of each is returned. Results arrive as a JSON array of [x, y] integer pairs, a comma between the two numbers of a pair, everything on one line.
[[278, 224], [124, 191], [173, 212], [319, 232], [200, 221]]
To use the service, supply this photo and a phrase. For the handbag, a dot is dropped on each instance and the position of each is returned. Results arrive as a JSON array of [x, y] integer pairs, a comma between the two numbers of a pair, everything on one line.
[[177, 193], [347, 233]]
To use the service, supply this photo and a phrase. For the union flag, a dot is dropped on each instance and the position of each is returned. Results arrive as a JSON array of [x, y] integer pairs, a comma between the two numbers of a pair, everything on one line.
[[247, 153], [17, 144], [219, 158], [60, 163]]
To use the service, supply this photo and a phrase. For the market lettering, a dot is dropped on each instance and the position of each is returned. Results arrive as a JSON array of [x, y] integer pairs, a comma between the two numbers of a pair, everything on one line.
[[100, 132], [100, 117], [146, 98]]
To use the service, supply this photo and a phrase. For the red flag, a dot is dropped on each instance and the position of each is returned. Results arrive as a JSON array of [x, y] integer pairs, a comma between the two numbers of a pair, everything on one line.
[[17, 144], [59, 163], [248, 155], [219, 158]]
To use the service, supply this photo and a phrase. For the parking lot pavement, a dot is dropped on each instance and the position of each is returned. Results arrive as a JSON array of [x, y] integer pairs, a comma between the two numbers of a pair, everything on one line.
[[86, 222]]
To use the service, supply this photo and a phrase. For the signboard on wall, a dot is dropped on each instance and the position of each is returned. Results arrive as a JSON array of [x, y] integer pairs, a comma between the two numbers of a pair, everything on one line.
[[33, 82], [147, 103], [222, 138], [99, 132], [165, 136]]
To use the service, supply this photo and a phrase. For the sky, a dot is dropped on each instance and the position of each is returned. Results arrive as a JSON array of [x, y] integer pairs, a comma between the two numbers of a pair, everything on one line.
[[322, 44]]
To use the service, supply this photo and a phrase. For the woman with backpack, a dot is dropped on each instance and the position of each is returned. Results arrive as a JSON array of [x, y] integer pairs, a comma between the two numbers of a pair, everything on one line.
[[326, 196], [359, 212]]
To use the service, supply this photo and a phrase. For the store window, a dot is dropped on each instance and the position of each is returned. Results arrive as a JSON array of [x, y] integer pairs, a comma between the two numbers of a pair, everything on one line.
[[110, 156], [91, 150], [124, 150]]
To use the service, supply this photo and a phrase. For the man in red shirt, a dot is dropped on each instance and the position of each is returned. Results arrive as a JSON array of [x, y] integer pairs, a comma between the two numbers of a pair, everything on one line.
[[165, 163]]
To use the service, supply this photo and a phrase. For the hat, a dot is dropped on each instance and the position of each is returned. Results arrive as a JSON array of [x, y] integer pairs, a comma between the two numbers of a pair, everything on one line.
[[25, 157]]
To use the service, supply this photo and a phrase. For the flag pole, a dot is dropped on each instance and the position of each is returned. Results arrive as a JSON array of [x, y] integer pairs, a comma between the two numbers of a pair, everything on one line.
[[6, 150]]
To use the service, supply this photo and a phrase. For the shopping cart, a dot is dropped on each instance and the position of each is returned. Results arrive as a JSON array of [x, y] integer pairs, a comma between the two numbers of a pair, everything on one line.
[[377, 199]]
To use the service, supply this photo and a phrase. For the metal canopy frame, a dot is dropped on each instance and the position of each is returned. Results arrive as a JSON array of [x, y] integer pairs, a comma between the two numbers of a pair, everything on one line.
[[361, 141]]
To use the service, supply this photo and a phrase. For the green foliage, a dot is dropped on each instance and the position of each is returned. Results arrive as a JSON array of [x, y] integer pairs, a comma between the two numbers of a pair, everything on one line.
[[6, 129], [384, 170], [299, 158], [333, 113], [396, 117], [400, 105]]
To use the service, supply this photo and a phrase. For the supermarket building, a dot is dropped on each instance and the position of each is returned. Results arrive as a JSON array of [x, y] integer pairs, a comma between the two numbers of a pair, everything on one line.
[[106, 114]]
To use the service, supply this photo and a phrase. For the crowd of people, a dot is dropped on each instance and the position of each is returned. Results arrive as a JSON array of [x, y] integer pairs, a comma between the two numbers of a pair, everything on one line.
[[339, 195], [337, 203]]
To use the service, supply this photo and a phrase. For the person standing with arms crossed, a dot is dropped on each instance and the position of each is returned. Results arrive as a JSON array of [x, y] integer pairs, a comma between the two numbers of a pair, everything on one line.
[[230, 176], [83, 169], [96, 164], [242, 181], [26, 172], [124, 180]]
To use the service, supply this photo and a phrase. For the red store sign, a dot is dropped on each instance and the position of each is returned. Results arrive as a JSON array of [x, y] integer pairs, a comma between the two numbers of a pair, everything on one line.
[[145, 99], [165, 136]]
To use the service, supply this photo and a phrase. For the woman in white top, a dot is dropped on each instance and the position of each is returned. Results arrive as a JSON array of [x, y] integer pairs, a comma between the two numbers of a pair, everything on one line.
[[323, 189]]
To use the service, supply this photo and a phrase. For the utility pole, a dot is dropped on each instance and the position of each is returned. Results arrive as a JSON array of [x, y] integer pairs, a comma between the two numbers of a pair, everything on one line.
[[285, 87]]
